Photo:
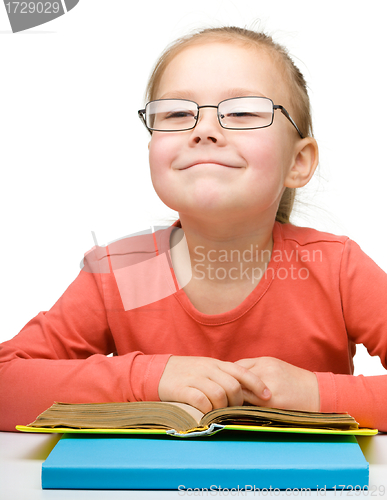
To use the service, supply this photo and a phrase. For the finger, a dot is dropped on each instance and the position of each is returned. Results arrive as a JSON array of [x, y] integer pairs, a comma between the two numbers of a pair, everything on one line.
[[248, 380], [246, 363], [195, 397], [214, 389], [251, 398], [206, 394], [232, 389]]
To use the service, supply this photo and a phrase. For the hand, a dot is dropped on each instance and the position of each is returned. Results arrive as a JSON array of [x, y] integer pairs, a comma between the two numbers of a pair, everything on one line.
[[208, 383], [292, 388]]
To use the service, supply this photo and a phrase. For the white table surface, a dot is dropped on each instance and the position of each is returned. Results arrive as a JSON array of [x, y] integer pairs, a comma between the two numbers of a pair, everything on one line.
[[22, 455]]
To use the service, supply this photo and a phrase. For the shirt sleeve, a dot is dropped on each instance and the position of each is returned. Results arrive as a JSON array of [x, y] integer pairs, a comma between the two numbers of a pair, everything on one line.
[[61, 355], [363, 290]]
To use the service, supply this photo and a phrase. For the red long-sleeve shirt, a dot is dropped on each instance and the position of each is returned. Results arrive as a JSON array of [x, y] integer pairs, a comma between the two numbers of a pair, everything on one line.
[[320, 296]]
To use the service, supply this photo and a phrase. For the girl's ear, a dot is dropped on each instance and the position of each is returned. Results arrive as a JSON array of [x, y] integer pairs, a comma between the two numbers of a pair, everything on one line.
[[304, 164]]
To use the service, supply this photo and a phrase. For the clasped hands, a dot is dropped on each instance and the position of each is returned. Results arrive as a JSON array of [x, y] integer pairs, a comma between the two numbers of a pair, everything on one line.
[[208, 383]]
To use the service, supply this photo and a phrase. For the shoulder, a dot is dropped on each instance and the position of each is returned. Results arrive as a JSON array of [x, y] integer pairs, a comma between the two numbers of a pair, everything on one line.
[[129, 250], [332, 248], [304, 236]]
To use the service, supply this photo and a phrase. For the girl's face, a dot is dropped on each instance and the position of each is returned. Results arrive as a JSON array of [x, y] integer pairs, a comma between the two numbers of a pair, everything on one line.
[[210, 171]]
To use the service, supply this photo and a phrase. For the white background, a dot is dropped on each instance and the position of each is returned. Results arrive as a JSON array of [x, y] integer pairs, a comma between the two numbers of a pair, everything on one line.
[[73, 153]]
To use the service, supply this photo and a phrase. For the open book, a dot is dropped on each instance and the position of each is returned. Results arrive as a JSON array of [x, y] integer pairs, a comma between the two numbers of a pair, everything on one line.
[[155, 417]]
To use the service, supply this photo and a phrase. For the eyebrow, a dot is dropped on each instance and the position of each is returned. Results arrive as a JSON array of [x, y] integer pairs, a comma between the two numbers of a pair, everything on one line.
[[178, 94], [229, 93], [241, 92]]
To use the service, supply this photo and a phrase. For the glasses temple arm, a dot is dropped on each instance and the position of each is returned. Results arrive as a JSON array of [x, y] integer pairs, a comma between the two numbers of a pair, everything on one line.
[[141, 114], [284, 112]]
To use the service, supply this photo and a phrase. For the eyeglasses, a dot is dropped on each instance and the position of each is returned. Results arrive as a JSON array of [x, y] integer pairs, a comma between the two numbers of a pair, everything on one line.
[[238, 113]]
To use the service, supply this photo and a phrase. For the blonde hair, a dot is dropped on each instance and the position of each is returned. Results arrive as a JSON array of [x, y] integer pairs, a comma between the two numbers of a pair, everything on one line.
[[299, 98]]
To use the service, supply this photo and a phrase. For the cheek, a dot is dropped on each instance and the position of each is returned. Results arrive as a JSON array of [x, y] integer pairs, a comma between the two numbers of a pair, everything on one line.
[[160, 160], [267, 164], [162, 151], [263, 155], [157, 155]]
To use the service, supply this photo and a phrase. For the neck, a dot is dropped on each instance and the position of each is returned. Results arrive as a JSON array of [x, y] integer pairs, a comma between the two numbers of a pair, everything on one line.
[[227, 253]]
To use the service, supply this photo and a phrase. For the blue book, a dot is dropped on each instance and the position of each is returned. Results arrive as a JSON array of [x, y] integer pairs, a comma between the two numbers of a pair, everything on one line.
[[227, 460]]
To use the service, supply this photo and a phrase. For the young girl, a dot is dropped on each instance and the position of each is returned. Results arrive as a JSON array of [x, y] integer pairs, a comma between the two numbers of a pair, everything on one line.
[[271, 313]]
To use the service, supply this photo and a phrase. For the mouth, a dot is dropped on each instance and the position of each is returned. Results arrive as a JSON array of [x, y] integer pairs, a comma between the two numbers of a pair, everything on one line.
[[209, 164]]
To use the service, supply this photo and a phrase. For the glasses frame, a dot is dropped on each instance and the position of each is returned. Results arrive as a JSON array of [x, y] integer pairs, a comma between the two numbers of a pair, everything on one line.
[[142, 115]]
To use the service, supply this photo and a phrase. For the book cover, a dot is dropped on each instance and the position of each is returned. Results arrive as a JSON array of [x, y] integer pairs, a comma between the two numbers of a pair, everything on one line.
[[241, 460]]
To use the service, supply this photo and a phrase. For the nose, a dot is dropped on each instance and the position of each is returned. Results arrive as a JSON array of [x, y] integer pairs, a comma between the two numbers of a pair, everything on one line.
[[208, 128]]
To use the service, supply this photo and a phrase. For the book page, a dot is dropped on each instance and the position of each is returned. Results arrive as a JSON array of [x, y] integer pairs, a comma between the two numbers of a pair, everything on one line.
[[194, 412]]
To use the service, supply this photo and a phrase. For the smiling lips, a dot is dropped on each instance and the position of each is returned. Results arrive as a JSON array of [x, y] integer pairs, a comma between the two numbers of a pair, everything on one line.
[[208, 162]]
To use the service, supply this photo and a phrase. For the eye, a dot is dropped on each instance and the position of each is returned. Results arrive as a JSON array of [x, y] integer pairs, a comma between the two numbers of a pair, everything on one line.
[[241, 114], [180, 114]]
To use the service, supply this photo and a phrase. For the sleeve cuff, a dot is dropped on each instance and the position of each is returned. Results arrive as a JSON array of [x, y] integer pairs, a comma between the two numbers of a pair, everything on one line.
[[145, 376], [328, 392]]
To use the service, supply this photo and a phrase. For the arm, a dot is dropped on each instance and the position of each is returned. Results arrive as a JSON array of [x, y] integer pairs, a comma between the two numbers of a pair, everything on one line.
[[61, 355], [362, 397], [363, 287], [294, 388], [363, 291]]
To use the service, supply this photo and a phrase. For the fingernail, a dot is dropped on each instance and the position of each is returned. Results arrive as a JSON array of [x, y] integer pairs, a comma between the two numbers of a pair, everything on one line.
[[266, 393]]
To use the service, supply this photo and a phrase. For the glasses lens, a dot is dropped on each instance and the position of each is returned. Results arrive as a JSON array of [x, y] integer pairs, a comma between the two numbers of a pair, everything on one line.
[[171, 114], [246, 112]]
